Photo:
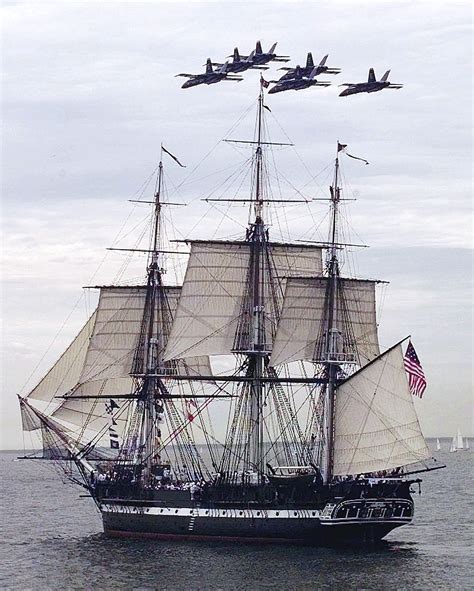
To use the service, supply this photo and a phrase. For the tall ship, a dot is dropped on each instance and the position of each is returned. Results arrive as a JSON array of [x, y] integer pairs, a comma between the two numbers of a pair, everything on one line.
[[250, 402]]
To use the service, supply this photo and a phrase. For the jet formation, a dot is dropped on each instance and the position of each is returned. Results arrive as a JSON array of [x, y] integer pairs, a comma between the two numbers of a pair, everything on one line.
[[226, 71], [294, 78]]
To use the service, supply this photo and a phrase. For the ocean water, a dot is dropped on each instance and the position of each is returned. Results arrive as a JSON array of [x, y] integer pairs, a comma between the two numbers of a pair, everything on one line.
[[51, 539]]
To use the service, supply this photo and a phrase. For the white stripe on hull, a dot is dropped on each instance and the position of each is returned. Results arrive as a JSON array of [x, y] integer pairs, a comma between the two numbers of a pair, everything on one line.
[[215, 513]]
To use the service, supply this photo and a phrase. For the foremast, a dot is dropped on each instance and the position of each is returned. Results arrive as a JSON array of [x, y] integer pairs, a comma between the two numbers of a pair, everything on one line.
[[148, 359]]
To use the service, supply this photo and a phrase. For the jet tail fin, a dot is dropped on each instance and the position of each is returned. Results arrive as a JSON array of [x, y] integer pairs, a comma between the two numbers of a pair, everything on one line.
[[371, 75], [385, 76], [313, 72], [323, 61], [272, 48], [258, 47], [309, 61], [250, 57], [222, 69], [208, 66], [236, 55]]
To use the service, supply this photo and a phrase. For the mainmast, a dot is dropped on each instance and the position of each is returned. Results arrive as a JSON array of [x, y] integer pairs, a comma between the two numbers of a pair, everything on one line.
[[257, 237], [331, 348]]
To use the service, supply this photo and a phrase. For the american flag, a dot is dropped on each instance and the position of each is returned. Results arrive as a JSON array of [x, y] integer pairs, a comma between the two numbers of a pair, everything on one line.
[[416, 377]]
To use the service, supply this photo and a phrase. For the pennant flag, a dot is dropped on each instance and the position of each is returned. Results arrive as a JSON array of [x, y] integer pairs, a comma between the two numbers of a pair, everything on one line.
[[174, 157], [342, 148], [114, 438], [264, 83], [190, 410], [416, 377], [110, 406]]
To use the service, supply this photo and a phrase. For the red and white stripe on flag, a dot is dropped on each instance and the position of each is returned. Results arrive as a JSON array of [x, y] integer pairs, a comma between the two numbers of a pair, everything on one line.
[[416, 376]]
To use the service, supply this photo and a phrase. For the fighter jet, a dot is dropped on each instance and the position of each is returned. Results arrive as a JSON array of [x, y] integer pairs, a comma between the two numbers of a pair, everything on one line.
[[372, 85], [298, 82], [210, 76], [306, 71], [238, 64], [260, 58]]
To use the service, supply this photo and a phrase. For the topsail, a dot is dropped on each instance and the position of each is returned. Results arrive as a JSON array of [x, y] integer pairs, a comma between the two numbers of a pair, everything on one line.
[[302, 329], [115, 337], [212, 304]]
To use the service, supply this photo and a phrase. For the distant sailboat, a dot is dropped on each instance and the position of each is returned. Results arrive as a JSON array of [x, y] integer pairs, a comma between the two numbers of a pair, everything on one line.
[[459, 440], [438, 445], [466, 445], [453, 447]]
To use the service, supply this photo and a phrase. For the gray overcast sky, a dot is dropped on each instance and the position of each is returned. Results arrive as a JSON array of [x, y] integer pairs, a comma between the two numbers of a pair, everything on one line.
[[88, 94]]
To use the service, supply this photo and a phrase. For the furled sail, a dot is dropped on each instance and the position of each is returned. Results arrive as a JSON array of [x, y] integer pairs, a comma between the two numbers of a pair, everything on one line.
[[214, 287], [375, 422], [65, 373], [114, 339], [301, 329]]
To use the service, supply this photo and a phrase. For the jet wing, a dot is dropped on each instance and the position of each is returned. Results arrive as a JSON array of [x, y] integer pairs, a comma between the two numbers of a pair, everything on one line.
[[187, 75]]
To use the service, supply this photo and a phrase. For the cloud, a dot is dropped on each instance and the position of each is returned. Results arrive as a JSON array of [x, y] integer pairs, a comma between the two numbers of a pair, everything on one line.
[[88, 95]]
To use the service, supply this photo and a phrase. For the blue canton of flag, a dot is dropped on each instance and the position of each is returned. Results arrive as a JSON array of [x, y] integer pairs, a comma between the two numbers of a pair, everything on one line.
[[416, 377]]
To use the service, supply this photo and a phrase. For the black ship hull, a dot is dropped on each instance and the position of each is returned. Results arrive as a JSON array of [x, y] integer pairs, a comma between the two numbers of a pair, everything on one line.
[[354, 521]]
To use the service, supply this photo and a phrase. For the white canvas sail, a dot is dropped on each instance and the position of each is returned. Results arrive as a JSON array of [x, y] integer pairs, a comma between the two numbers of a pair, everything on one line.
[[213, 290], [438, 445], [453, 445], [91, 414], [29, 419], [376, 427], [459, 440], [66, 371], [109, 358], [300, 333]]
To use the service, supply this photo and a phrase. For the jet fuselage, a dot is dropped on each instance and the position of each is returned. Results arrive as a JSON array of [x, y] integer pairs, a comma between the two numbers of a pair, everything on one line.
[[295, 84], [306, 71], [204, 79], [368, 87]]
